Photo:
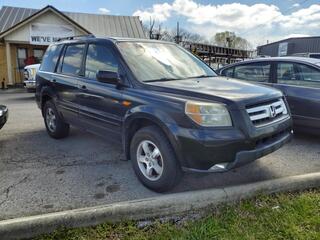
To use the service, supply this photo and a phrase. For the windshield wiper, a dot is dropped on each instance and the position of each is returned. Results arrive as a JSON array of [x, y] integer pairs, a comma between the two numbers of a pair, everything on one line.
[[200, 76], [173, 79], [162, 79]]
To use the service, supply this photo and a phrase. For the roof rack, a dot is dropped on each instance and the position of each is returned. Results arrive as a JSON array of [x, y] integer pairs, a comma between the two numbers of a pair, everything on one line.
[[76, 37]]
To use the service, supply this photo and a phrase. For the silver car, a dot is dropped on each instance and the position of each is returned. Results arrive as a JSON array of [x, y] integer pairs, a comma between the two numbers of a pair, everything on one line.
[[30, 72]]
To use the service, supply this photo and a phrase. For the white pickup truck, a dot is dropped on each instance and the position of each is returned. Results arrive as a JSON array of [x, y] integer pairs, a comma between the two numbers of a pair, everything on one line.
[[30, 72]]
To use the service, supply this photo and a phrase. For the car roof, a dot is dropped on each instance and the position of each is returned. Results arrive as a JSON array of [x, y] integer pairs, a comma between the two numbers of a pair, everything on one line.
[[313, 61]]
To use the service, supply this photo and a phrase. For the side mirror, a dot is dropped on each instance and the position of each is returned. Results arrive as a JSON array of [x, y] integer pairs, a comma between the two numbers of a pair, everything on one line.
[[108, 77]]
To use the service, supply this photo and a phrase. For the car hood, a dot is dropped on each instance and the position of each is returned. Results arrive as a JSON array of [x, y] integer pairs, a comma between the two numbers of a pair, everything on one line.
[[36, 66], [220, 89]]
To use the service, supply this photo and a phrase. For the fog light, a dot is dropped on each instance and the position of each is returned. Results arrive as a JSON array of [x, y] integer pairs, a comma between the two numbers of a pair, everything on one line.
[[219, 167]]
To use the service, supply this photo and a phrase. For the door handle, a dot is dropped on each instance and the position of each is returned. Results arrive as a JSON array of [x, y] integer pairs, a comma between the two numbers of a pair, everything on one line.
[[54, 80], [84, 87]]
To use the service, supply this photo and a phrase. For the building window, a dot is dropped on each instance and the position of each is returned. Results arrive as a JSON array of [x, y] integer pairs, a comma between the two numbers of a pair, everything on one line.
[[22, 57], [38, 54]]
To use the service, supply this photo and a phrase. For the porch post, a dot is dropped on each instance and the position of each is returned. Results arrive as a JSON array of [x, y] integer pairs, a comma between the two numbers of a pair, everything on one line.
[[9, 64]]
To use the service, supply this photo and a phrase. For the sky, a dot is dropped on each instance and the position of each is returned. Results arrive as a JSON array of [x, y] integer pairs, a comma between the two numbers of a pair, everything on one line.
[[258, 21]]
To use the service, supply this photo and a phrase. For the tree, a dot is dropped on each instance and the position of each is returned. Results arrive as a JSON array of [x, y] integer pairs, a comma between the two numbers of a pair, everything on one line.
[[191, 37], [229, 39], [156, 32]]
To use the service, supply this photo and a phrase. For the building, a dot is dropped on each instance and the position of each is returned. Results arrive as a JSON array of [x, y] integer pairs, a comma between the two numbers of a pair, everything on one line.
[[216, 56], [25, 34], [291, 46]]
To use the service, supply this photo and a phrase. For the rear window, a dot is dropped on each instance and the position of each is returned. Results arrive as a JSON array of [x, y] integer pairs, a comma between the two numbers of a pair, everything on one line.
[[50, 58]]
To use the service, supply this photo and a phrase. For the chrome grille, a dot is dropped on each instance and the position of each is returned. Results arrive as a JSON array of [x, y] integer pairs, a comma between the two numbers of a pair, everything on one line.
[[267, 113]]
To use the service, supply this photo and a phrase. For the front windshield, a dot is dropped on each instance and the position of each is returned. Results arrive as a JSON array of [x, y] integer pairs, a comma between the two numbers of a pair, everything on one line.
[[152, 61]]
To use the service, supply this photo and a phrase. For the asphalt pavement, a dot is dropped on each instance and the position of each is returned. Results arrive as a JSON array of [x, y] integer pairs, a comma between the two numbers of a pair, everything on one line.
[[39, 174]]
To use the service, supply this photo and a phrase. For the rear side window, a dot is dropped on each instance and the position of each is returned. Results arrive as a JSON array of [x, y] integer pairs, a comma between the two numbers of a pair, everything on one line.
[[99, 58], [71, 63], [50, 58], [228, 72], [257, 72]]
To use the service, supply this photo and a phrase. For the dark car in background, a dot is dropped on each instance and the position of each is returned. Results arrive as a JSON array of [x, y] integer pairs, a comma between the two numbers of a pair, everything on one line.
[[3, 115], [168, 109], [297, 77]]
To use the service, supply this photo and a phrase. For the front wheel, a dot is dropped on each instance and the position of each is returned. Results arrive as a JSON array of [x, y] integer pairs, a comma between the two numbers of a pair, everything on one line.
[[154, 160], [55, 125]]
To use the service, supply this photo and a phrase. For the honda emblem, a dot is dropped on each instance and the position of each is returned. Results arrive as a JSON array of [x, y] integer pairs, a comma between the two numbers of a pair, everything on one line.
[[273, 111]]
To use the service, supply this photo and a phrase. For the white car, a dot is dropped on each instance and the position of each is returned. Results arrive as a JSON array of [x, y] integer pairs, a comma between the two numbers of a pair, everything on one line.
[[30, 72]]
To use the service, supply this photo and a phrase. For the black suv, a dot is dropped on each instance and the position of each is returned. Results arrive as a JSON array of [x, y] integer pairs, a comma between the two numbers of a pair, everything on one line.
[[170, 111]]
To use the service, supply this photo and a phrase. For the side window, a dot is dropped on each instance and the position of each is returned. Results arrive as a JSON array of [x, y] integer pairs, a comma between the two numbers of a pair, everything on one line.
[[258, 72], [72, 60], [99, 58], [228, 72], [50, 58], [286, 73], [308, 76]]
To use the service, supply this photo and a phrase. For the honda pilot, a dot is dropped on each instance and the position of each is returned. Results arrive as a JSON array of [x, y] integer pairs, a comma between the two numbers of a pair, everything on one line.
[[168, 109]]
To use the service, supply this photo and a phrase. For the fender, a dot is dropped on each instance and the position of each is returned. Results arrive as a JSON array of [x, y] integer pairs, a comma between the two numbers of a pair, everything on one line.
[[46, 91], [157, 116]]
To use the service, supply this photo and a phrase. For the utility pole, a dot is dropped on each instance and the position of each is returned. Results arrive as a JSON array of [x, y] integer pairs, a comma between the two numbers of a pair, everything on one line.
[[178, 38]]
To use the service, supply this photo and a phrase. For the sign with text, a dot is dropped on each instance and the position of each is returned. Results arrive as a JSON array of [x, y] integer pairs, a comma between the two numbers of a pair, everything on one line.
[[45, 34], [283, 49]]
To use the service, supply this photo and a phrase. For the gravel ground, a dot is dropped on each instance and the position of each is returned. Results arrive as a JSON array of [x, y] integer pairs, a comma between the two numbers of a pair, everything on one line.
[[39, 174]]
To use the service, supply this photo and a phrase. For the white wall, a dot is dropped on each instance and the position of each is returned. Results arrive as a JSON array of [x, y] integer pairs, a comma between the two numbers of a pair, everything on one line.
[[22, 34]]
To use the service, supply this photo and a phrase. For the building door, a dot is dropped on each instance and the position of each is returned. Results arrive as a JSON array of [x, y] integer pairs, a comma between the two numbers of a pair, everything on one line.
[[22, 55]]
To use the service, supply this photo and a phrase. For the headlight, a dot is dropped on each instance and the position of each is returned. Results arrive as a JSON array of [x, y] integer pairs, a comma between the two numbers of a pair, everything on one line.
[[1, 113], [26, 75], [208, 114]]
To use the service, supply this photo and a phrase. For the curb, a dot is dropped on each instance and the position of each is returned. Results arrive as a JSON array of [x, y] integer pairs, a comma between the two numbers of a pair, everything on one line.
[[13, 90], [27, 227]]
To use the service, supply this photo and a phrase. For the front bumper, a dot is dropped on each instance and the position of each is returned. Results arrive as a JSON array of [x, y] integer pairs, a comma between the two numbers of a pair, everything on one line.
[[223, 149], [29, 84], [4, 117], [247, 156]]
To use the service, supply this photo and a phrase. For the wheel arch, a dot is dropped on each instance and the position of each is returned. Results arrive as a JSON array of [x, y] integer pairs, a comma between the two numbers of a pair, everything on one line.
[[136, 121], [46, 95]]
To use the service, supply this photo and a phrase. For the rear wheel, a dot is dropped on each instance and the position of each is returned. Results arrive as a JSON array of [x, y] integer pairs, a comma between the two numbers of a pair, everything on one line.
[[55, 125], [153, 159]]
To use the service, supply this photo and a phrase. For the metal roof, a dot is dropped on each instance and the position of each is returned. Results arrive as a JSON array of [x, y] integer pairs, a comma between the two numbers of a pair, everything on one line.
[[97, 24], [290, 39]]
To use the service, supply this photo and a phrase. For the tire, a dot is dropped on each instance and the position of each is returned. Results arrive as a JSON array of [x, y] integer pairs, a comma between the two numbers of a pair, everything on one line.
[[57, 128], [142, 147]]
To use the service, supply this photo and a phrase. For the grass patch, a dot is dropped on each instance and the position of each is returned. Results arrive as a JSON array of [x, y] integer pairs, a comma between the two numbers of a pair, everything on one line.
[[280, 216]]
